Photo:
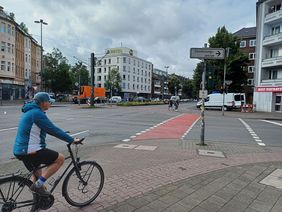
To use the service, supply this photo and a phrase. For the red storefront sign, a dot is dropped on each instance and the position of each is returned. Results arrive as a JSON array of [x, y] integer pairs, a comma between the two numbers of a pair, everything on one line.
[[269, 89]]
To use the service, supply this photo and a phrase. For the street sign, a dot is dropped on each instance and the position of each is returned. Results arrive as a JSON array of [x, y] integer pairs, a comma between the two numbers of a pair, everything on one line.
[[207, 53], [203, 94]]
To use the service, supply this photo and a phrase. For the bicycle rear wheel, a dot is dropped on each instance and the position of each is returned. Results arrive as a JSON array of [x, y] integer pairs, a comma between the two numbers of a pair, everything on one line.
[[77, 194], [15, 194]]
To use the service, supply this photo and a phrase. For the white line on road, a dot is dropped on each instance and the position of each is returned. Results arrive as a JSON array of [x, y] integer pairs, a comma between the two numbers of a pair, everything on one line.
[[12, 128], [252, 132], [272, 122], [185, 134], [126, 140], [78, 133]]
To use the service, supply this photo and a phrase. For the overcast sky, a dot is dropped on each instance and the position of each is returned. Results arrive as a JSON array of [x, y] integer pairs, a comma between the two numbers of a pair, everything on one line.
[[162, 31]]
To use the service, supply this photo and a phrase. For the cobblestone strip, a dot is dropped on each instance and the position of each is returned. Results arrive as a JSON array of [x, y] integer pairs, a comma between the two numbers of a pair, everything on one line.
[[120, 188]]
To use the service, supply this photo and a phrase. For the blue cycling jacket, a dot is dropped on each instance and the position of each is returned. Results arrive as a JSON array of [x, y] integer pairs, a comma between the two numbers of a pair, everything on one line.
[[32, 130]]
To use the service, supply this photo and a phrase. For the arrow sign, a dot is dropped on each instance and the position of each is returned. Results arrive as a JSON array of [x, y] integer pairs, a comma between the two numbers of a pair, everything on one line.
[[207, 53]]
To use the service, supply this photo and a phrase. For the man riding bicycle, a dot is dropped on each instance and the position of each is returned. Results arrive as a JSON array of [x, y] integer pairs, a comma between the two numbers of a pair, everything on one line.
[[30, 145]]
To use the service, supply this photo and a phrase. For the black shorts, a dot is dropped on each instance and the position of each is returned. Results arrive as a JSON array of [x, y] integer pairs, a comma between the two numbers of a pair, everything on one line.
[[44, 156]]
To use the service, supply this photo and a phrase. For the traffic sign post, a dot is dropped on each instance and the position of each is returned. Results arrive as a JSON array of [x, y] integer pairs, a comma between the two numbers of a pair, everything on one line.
[[205, 54]]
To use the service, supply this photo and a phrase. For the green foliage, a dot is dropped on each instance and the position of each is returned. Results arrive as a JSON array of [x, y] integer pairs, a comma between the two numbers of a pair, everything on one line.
[[12, 16], [79, 71], [174, 84], [23, 27], [113, 81], [188, 89], [56, 72], [215, 68]]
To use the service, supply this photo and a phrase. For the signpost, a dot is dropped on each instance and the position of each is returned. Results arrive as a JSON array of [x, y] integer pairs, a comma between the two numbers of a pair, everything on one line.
[[205, 54]]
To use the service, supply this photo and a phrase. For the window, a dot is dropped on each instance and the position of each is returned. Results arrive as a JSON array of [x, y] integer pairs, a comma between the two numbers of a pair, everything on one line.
[[137, 79], [123, 85], [9, 66], [133, 78], [99, 78], [128, 86], [25, 57], [109, 61], [252, 43], [138, 71], [141, 87], [141, 80], [105, 70], [145, 73], [99, 70], [124, 68], [13, 48], [274, 8], [138, 63], [149, 88], [250, 81], [251, 69], [275, 30], [128, 69], [124, 77], [274, 53], [128, 77], [9, 29], [272, 74], [129, 60], [8, 47], [3, 66], [3, 27], [252, 56], [124, 59], [105, 78], [133, 70], [13, 67], [3, 46], [117, 59], [13, 31], [133, 86], [109, 68], [134, 62], [145, 80], [25, 73], [105, 62], [137, 87], [243, 44]]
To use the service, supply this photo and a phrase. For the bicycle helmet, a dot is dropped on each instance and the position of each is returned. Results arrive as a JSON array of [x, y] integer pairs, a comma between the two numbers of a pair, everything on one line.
[[43, 97]]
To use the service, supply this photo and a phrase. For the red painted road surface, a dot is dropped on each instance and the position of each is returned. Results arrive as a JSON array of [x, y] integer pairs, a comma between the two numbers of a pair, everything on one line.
[[172, 129]]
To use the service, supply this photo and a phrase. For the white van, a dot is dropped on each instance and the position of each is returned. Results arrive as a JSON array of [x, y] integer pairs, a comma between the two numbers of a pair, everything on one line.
[[231, 101]]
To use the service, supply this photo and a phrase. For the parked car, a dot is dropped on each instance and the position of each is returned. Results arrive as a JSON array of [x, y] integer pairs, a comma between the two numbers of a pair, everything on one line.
[[115, 99], [140, 99], [231, 101]]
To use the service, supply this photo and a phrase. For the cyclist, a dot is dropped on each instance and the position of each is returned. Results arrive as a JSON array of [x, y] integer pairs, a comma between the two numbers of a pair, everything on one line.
[[30, 145]]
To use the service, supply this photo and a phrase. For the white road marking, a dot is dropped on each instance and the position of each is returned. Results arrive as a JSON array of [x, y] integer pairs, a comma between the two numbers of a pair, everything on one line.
[[148, 148], [7, 129], [134, 136], [126, 140], [252, 132], [183, 136], [138, 133], [272, 122], [79, 133]]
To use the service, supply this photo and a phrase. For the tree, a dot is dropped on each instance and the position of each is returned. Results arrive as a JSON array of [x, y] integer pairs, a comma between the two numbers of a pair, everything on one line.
[[113, 81], [57, 76], [80, 73], [235, 61], [12, 16], [174, 84], [23, 27], [188, 89]]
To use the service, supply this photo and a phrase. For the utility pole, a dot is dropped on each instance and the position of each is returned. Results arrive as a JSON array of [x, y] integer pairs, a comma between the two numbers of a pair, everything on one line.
[[92, 78]]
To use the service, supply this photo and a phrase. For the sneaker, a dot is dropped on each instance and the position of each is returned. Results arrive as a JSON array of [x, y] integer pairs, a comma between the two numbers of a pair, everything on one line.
[[39, 190]]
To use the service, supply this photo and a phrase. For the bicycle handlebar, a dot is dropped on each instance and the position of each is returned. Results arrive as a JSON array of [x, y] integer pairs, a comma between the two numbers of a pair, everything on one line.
[[76, 143]]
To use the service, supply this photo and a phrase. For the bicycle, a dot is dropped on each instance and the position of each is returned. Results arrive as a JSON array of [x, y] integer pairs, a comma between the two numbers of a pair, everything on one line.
[[15, 192]]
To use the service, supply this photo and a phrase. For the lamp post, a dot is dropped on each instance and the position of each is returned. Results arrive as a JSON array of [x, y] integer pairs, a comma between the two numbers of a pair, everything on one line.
[[41, 22], [165, 78]]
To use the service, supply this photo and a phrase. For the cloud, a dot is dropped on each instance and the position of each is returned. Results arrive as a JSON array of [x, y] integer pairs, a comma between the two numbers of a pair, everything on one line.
[[161, 31]]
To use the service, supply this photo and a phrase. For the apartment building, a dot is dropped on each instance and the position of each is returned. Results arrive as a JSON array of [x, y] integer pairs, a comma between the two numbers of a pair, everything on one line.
[[18, 58], [268, 76], [247, 38], [135, 72], [160, 84]]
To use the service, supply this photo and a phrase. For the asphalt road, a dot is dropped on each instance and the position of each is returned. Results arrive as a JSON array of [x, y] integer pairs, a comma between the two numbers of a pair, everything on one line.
[[106, 125]]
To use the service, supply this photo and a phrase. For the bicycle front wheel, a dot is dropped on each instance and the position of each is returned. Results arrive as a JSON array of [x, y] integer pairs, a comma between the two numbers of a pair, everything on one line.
[[15, 194], [76, 192]]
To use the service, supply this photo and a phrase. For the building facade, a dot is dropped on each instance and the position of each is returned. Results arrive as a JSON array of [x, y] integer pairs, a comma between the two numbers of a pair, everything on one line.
[[247, 38], [268, 76], [17, 57], [160, 84], [135, 72]]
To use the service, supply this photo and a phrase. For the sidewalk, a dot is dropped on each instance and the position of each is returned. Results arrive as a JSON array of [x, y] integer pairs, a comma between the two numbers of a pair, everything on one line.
[[174, 177]]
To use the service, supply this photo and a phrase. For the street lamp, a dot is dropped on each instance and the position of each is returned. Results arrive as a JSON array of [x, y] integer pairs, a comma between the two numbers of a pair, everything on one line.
[[41, 22], [166, 67]]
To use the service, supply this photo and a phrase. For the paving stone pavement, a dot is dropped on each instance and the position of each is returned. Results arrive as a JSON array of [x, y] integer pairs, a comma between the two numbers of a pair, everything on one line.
[[175, 178]]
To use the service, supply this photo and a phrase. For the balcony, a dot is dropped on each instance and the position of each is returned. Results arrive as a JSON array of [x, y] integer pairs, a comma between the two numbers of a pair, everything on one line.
[[273, 82], [157, 85], [271, 62], [272, 40], [273, 17], [157, 92]]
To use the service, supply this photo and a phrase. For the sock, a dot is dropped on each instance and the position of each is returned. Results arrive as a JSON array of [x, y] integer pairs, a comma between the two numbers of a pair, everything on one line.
[[40, 182]]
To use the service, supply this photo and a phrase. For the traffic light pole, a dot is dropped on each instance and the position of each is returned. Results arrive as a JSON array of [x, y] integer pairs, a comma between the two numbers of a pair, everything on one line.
[[92, 78]]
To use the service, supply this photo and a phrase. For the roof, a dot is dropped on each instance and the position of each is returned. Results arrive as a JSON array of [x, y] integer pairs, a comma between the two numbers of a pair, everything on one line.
[[246, 32]]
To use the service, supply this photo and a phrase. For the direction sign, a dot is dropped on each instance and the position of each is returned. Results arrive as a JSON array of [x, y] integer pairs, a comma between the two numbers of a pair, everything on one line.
[[203, 93], [207, 53]]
